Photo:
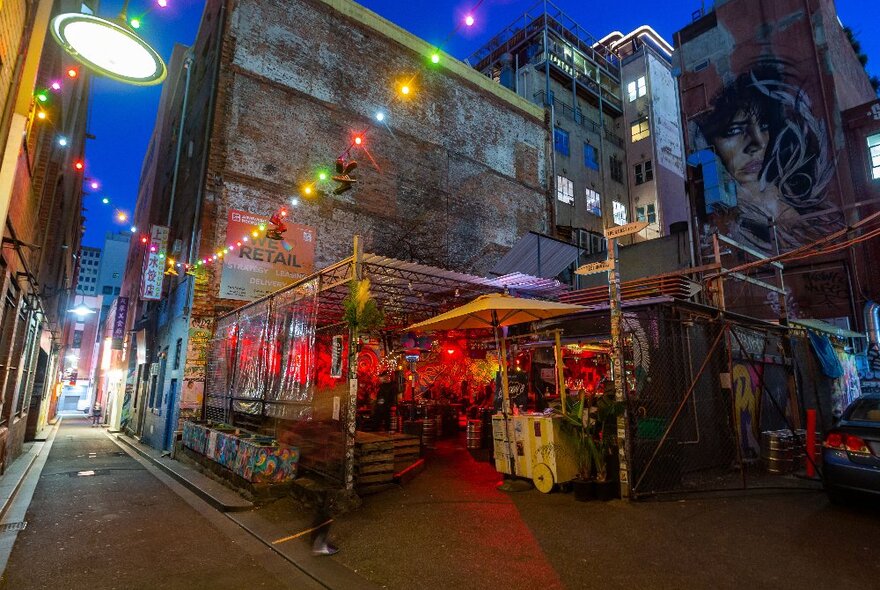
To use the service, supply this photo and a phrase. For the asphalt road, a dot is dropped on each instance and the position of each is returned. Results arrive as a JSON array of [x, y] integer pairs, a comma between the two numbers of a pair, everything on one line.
[[100, 520]]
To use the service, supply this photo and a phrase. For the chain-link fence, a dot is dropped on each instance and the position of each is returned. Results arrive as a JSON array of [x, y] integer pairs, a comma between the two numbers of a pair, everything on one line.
[[712, 404]]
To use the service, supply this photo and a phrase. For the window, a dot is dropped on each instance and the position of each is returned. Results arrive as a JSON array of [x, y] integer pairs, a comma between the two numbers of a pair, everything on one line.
[[107, 290], [616, 165], [177, 348], [594, 202], [560, 140], [590, 160], [640, 130], [647, 213], [115, 275], [637, 88], [874, 151], [619, 213], [644, 172], [564, 190]]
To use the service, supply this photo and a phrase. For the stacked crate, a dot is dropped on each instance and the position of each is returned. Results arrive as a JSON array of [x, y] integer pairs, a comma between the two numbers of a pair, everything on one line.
[[373, 462]]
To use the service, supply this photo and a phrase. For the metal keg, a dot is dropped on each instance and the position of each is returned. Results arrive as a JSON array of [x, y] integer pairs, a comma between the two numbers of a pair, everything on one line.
[[778, 451], [429, 433], [475, 434]]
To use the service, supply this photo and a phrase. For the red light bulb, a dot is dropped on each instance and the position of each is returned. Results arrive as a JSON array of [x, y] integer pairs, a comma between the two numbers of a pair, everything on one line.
[[358, 140], [79, 165], [72, 73]]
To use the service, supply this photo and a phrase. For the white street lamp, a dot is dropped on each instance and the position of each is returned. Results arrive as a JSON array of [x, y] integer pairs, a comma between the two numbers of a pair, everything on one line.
[[81, 310], [109, 47]]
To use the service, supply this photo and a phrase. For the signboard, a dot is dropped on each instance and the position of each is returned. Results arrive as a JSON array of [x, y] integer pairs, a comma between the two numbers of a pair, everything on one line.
[[593, 268], [666, 122], [262, 266], [154, 271], [336, 350], [625, 230], [119, 322]]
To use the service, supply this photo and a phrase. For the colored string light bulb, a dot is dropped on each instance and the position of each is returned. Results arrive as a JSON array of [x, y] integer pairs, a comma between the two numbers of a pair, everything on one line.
[[72, 73], [122, 217], [404, 89], [105, 200], [133, 229], [62, 141], [380, 116], [94, 184], [135, 23], [42, 96], [294, 201], [322, 175], [162, 3], [255, 233], [307, 190], [79, 165], [262, 227], [469, 20], [435, 58], [144, 240], [41, 116]]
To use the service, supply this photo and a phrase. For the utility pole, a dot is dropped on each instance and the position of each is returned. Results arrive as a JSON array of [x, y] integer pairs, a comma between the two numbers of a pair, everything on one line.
[[351, 408], [612, 267]]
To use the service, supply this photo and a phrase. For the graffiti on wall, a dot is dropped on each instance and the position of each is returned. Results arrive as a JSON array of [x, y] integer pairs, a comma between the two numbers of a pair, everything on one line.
[[774, 152], [746, 380], [846, 388]]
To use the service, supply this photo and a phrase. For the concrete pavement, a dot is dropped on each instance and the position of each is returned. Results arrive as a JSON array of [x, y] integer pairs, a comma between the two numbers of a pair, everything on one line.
[[99, 519]]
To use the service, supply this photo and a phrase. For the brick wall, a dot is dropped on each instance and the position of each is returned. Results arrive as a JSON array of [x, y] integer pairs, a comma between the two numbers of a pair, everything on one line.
[[457, 179]]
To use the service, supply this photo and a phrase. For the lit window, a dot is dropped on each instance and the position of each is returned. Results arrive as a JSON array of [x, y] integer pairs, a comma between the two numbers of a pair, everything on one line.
[[640, 130], [594, 202], [565, 190], [874, 150], [560, 140], [619, 213], [637, 88], [647, 213]]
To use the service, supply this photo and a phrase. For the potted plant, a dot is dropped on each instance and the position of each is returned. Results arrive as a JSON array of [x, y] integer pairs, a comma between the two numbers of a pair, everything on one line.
[[593, 439]]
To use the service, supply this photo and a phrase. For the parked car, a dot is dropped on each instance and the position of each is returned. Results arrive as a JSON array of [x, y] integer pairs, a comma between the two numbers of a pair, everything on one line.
[[851, 451]]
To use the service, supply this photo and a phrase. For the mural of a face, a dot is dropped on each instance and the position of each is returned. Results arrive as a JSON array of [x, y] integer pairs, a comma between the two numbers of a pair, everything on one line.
[[742, 147], [763, 131]]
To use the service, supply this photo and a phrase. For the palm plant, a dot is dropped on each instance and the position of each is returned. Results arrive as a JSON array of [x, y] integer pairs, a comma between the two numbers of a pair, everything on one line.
[[592, 437]]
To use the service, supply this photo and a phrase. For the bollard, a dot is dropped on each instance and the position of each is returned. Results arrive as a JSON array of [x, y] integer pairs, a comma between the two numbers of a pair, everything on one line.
[[811, 443]]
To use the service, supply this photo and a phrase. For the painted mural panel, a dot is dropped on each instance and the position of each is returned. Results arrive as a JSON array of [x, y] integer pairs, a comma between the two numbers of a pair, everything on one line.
[[754, 107], [670, 151]]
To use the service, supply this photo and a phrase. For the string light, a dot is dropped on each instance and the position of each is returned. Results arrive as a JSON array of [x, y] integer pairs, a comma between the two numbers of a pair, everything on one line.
[[294, 201], [42, 96], [79, 165], [41, 115], [404, 89], [144, 240], [135, 23], [72, 73], [62, 141], [435, 58], [94, 184], [322, 175], [56, 85], [469, 20], [133, 229], [122, 217], [358, 140], [380, 116], [162, 3], [105, 200]]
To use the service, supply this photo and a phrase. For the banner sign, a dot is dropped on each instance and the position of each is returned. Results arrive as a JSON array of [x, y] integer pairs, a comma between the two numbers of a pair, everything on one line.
[[119, 322], [154, 271], [262, 266], [337, 348]]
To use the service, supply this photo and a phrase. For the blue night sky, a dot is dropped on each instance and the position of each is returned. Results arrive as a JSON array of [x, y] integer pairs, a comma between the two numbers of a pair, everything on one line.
[[122, 116]]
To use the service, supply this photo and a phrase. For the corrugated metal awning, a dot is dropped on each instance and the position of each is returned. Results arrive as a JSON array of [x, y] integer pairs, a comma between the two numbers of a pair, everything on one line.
[[537, 255]]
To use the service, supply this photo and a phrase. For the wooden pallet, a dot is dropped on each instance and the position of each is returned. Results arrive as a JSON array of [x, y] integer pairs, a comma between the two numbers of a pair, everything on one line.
[[373, 461]]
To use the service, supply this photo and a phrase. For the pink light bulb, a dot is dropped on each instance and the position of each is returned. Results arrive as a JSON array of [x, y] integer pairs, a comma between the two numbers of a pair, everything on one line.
[[469, 20], [162, 3], [56, 86]]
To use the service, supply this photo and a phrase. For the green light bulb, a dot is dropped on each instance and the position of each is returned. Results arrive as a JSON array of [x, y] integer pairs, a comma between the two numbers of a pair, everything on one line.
[[42, 97], [135, 23], [322, 176], [435, 58]]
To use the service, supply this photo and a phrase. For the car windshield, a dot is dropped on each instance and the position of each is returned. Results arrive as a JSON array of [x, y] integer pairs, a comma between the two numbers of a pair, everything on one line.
[[865, 410]]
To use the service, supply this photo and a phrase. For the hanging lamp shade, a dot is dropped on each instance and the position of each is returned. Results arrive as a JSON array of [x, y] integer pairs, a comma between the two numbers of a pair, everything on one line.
[[109, 48]]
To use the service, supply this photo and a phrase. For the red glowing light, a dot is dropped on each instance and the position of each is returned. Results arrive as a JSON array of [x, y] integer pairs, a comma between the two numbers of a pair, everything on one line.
[[450, 351], [72, 73], [143, 240], [79, 165], [283, 213], [358, 140]]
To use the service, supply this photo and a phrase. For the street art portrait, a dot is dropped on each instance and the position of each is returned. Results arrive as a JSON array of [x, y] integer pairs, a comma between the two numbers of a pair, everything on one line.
[[776, 158]]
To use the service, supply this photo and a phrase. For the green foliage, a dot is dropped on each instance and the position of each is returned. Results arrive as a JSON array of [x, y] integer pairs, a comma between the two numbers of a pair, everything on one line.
[[360, 309], [592, 434]]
